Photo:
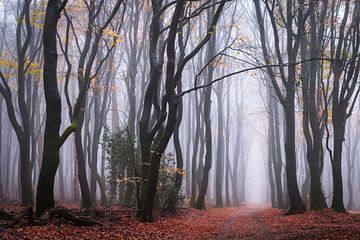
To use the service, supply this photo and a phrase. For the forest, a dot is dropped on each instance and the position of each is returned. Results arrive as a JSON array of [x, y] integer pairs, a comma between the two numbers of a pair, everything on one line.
[[179, 119]]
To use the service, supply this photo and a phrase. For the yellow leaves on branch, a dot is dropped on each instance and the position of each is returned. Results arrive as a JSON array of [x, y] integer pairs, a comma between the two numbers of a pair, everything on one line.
[[33, 68], [115, 37], [173, 170], [243, 39], [7, 64], [37, 19]]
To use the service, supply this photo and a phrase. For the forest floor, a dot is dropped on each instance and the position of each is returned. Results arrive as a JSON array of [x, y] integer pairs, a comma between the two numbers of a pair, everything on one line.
[[248, 222]]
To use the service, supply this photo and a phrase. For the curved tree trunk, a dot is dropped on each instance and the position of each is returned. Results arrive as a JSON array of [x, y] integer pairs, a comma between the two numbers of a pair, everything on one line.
[[84, 187], [51, 158], [200, 201]]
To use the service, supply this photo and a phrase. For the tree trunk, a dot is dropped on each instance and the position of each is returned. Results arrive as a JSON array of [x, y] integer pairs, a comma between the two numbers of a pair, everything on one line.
[[84, 187], [227, 148], [296, 204], [200, 201], [271, 152], [194, 176], [220, 149], [277, 159], [76, 193], [172, 200], [237, 155], [61, 181], [188, 176], [51, 158], [337, 201]]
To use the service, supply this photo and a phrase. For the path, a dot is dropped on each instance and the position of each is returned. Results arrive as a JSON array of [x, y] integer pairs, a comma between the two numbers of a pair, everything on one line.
[[243, 223], [257, 222]]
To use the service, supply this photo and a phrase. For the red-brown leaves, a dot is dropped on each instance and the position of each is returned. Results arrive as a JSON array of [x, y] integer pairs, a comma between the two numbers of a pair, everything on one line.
[[224, 223]]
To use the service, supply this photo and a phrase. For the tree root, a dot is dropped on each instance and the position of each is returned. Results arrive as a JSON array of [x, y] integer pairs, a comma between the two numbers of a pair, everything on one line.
[[4, 215], [56, 215], [67, 216]]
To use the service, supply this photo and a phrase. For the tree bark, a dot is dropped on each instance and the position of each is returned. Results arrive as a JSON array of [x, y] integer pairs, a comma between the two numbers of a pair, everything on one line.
[[51, 158], [200, 201], [220, 149]]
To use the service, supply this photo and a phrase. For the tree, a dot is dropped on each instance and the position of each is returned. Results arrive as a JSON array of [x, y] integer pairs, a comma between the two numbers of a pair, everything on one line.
[[344, 46], [134, 51], [200, 201], [21, 126], [352, 145], [198, 133], [289, 81], [93, 46], [52, 139], [172, 200], [154, 138]]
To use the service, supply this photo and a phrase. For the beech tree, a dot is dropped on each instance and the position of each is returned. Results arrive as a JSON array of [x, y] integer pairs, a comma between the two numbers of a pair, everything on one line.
[[154, 137], [313, 113], [287, 99], [23, 125], [344, 46], [45, 197], [52, 139], [95, 46]]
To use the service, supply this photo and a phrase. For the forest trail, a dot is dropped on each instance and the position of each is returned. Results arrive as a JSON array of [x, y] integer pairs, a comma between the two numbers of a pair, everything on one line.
[[261, 222], [244, 222]]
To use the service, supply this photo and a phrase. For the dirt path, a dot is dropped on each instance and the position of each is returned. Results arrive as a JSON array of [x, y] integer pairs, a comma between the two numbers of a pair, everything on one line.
[[254, 222], [243, 223]]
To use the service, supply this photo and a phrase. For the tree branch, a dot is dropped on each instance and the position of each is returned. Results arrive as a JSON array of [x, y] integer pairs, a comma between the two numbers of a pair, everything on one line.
[[247, 70], [68, 131]]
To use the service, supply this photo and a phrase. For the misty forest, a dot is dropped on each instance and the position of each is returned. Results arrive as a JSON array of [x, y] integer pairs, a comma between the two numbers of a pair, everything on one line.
[[180, 119]]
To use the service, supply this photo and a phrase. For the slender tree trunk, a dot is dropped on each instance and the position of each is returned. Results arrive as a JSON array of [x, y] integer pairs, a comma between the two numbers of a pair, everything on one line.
[[237, 154], [200, 201], [271, 153], [188, 175], [271, 182], [351, 156], [227, 148], [194, 176], [277, 159], [296, 204], [220, 149], [7, 168], [131, 89], [305, 190], [172, 200], [81, 163]]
